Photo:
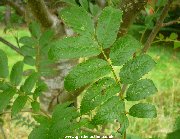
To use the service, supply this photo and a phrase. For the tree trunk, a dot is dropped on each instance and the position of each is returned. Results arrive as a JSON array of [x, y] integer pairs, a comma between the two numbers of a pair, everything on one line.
[[7, 16]]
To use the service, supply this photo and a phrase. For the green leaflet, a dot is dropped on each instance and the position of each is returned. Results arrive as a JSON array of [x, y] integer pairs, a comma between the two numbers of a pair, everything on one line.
[[30, 82], [108, 26], [40, 132], [109, 111], [123, 49], [28, 51], [28, 41], [35, 106], [46, 37], [124, 122], [78, 18], [17, 73], [5, 97], [98, 93], [140, 90], [84, 4], [4, 71], [85, 73], [73, 47], [35, 29], [61, 124], [29, 60], [134, 69], [143, 110], [18, 104]]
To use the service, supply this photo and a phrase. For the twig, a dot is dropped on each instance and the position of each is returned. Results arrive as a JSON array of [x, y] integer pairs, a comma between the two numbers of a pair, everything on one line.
[[11, 46], [171, 22], [157, 26]]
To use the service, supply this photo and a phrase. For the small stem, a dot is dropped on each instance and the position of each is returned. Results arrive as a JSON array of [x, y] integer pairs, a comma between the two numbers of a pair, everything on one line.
[[109, 63], [11, 46]]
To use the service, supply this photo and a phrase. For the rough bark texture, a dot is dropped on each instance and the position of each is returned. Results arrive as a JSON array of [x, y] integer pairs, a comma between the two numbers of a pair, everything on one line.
[[130, 10]]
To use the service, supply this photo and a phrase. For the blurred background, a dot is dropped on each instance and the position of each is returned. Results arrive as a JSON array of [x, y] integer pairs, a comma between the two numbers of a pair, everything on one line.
[[165, 51]]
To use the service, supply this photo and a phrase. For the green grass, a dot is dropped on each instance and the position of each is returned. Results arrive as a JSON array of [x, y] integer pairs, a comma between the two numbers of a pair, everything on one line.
[[165, 76]]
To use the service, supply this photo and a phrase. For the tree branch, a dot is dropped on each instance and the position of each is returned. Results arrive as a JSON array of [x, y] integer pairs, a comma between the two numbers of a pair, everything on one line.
[[11, 46], [157, 27], [20, 10], [130, 10], [171, 22], [47, 20]]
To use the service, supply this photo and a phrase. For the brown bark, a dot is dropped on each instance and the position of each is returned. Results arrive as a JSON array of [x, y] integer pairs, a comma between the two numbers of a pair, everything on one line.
[[7, 16]]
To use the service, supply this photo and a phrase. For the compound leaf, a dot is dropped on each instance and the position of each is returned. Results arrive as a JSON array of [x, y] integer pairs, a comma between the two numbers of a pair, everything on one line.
[[108, 26], [17, 73], [140, 90], [85, 73], [4, 71], [143, 110], [123, 49], [134, 69]]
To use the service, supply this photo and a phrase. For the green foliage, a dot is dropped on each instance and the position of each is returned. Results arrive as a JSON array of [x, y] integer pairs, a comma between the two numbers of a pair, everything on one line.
[[35, 29], [30, 82], [4, 71], [109, 111], [123, 49], [98, 93], [140, 90], [17, 73], [18, 104], [84, 4], [134, 69], [35, 106], [27, 41], [108, 26], [5, 97], [73, 47], [60, 125], [86, 72], [143, 110], [29, 60], [83, 25]]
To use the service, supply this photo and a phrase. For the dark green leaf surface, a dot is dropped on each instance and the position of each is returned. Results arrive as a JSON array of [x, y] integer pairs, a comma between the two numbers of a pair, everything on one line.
[[109, 111], [28, 51], [17, 73], [124, 122], [28, 41], [35, 106], [78, 18], [98, 93], [134, 69], [108, 26], [46, 37], [140, 90], [123, 49], [73, 47], [143, 110], [4, 71], [35, 29], [19, 104], [30, 82], [29, 60], [5, 98], [86, 73]]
